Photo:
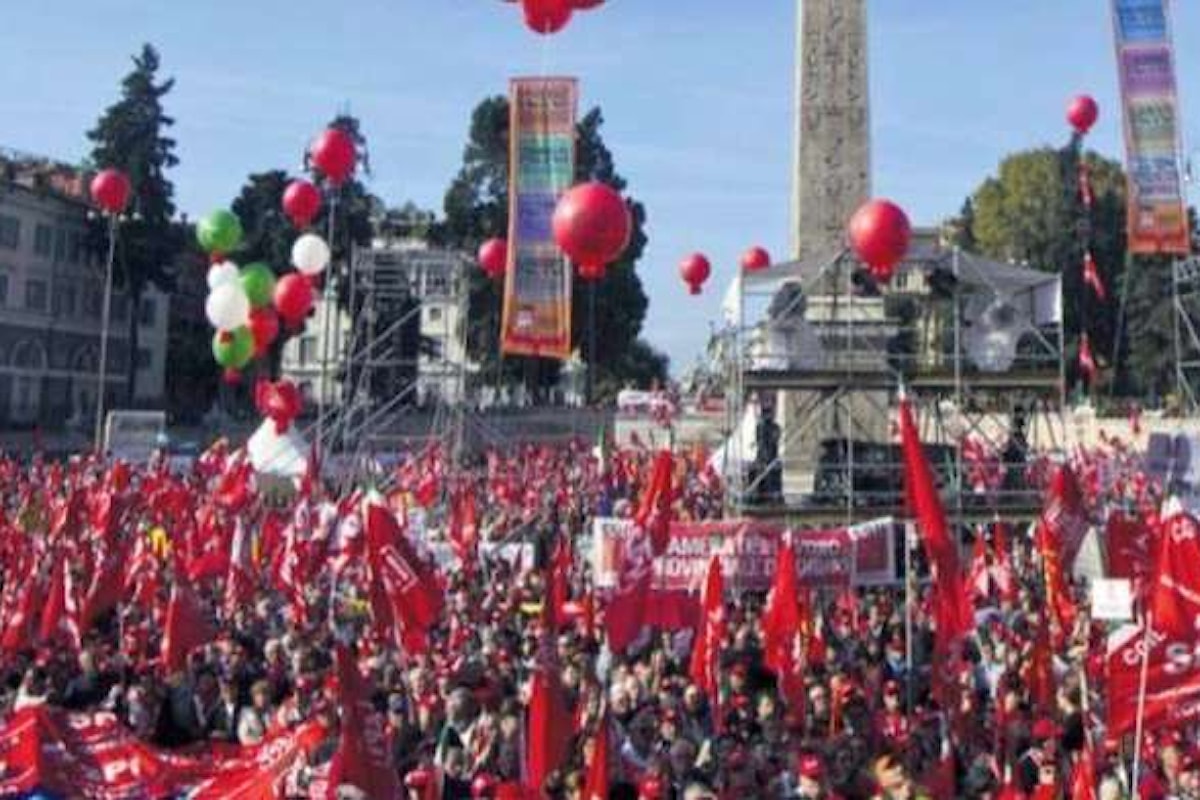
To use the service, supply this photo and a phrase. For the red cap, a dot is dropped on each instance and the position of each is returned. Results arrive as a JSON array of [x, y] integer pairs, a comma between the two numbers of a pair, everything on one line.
[[810, 766], [1045, 729]]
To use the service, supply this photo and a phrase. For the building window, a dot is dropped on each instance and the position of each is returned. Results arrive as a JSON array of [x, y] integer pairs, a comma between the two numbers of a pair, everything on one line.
[[60, 246], [143, 358], [436, 282], [308, 350], [146, 312], [10, 232], [3, 289], [64, 300], [43, 240], [435, 315], [35, 295]]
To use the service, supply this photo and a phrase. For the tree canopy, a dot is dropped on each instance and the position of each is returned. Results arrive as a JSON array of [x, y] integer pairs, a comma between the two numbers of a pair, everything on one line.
[[131, 136], [1031, 212]]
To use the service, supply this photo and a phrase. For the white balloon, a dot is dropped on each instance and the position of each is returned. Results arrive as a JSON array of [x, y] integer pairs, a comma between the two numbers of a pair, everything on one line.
[[222, 273], [310, 254], [227, 307]]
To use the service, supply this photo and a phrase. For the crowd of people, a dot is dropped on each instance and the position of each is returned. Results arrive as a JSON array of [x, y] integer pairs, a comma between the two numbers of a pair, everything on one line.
[[96, 556]]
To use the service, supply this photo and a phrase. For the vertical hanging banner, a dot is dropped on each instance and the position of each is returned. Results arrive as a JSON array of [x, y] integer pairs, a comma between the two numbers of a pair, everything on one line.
[[537, 285], [1157, 217]]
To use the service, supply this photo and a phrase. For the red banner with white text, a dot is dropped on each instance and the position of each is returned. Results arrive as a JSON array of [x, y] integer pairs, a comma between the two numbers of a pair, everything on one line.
[[94, 756], [1172, 681]]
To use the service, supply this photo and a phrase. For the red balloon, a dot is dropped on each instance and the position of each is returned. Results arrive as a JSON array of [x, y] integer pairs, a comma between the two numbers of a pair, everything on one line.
[[755, 259], [264, 327], [293, 298], [279, 401], [592, 226], [301, 202], [334, 154], [493, 257], [879, 233], [695, 270], [1082, 113], [110, 189], [547, 16]]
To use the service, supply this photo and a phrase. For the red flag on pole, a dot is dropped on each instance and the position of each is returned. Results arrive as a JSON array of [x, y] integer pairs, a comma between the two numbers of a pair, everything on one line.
[[1175, 594], [704, 669], [1083, 778], [1091, 276], [783, 642], [1087, 361], [186, 627], [403, 583], [654, 510], [596, 785], [951, 606], [550, 723], [361, 759], [59, 622], [239, 584]]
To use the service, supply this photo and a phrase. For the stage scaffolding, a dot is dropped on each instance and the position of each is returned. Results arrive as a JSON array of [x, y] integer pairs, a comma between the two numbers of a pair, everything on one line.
[[403, 361], [829, 352], [1186, 303]]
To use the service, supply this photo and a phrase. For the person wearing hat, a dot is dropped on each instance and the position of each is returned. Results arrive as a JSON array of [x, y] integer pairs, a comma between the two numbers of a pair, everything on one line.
[[1041, 759], [811, 783], [892, 728]]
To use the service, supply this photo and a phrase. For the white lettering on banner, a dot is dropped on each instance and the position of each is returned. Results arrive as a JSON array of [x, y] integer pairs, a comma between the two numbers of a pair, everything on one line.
[[862, 555]]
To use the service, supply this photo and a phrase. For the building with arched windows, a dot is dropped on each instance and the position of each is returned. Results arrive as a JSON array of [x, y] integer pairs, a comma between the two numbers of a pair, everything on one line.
[[51, 302]]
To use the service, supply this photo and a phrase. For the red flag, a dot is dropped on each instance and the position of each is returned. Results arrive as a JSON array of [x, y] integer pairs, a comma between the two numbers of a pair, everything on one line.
[[1086, 196], [59, 616], [1058, 596], [19, 624], [783, 640], [625, 615], [361, 759], [1002, 569], [979, 577], [1172, 681], [1064, 516], [1175, 594], [463, 529], [596, 784], [1083, 779], [1041, 671], [104, 593], [1091, 276], [407, 586], [704, 669], [186, 627], [951, 606], [142, 573], [654, 510], [239, 584], [1087, 362], [550, 722]]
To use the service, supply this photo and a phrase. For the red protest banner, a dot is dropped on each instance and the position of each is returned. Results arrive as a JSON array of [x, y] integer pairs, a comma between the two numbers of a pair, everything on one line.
[[94, 756], [1172, 680], [862, 555]]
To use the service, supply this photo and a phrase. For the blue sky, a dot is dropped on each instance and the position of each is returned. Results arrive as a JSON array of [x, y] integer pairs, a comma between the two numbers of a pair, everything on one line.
[[697, 95]]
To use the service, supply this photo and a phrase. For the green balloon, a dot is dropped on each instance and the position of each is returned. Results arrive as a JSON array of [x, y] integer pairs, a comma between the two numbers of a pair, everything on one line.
[[219, 232], [233, 349], [258, 281]]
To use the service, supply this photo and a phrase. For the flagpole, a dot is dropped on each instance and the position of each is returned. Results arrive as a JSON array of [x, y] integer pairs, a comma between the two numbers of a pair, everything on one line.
[[908, 622], [1141, 705]]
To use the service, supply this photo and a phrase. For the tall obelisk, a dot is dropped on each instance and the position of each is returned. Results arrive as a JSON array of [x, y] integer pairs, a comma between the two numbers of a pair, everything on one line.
[[833, 137], [832, 179]]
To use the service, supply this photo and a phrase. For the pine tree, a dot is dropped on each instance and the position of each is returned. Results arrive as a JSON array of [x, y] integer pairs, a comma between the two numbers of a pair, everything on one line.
[[130, 136]]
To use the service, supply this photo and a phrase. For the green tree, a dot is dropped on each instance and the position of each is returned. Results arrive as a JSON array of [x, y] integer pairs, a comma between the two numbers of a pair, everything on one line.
[[1030, 212], [476, 208], [269, 234], [130, 136]]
